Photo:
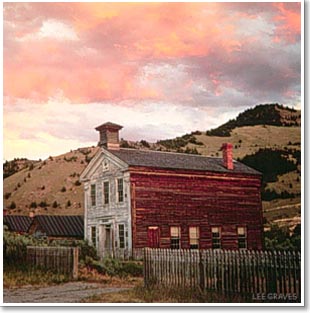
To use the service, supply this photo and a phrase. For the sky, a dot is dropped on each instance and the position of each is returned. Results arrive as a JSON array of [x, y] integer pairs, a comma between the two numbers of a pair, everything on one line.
[[159, 69]]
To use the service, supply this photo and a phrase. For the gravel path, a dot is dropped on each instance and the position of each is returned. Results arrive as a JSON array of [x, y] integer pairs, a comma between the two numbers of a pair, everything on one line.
[[64, 293]]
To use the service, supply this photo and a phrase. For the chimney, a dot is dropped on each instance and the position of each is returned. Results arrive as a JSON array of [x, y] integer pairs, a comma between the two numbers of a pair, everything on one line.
[[108, 135], [227, 155]]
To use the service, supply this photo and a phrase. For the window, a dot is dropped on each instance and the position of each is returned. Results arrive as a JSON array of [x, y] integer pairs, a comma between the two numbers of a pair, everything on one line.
[[216, 237], [106, 192], [93, 194], [175, 236], [193, 237], [121, 235], [241, 232], [93, 235], [120, 190]]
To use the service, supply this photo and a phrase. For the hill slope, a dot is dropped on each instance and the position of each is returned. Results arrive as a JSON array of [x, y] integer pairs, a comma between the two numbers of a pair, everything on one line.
[[264, 114], [50, 186]]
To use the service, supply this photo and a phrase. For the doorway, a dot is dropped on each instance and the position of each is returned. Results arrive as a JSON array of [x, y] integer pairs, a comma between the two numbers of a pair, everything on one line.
[[153, 237]]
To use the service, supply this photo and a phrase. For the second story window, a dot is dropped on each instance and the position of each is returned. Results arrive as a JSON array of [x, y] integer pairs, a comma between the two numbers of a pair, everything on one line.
[[93, 194], [194, 237], [106, 192], [120, 189], [175, 237], [216, 237]]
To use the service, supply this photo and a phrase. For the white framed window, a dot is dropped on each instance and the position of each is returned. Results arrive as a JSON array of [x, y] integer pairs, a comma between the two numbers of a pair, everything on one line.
[[120, 190], [93, 194], [106, 192], [193, 237]]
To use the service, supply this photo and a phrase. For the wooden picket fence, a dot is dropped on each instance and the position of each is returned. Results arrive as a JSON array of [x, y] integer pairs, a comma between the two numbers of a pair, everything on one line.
[[62, 260], [242, 272]]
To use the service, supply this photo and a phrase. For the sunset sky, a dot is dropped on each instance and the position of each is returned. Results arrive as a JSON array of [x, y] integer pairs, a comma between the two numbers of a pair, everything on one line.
[[159, 69]]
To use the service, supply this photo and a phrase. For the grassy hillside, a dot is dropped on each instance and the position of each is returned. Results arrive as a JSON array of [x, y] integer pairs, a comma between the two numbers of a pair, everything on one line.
[[264, 114], [50, 186]]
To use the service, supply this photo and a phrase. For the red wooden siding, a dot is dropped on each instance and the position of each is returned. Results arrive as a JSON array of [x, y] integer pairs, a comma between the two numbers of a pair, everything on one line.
[[166, 198]]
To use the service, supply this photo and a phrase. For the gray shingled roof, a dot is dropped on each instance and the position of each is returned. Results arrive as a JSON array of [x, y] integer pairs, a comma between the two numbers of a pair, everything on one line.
[[61, 225], [17, 223], [170, 160]]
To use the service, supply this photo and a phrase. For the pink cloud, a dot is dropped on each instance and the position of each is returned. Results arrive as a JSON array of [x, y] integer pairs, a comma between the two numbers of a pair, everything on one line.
[[288, 22], [107, 44]]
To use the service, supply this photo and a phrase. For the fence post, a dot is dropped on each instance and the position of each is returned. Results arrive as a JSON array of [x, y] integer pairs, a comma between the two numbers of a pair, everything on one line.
[[201, 272], [75, 270]]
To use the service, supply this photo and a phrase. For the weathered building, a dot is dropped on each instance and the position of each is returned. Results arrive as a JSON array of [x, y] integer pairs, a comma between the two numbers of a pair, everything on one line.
[[142, 198], [58, 227], [17, 223]]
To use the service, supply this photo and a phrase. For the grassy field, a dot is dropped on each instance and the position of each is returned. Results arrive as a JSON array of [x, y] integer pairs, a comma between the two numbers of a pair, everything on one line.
[[17, 276], [140, 294]]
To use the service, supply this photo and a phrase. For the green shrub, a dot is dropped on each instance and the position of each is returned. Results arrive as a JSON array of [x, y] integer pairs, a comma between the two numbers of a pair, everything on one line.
[[43, 204], [114, 267], [131, 268], [145, 144], [13, 205], [280, 239], [270, 163], [7, 195], [15, 247], [33, 205]]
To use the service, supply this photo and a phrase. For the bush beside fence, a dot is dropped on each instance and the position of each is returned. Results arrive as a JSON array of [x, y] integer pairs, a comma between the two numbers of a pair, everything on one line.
[[241, 272]]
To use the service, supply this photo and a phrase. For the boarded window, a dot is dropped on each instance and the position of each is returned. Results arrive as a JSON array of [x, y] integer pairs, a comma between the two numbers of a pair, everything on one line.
[[153, 237], [93, 194], [242, 242], [120, 190], [105, 165], [106, 192], [121, 235], [93, 235], [216, 237], [175, 237], [194, 237]]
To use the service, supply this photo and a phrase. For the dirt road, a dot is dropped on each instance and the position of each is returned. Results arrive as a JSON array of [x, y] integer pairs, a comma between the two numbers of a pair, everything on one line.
[[64, 293]]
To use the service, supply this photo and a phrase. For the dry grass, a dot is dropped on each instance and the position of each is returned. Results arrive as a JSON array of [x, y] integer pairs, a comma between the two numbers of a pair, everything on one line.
[[140, 294], [249, 139], [45, 183], [17, 276], [21, 275], [282, 212], [91, 275]]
